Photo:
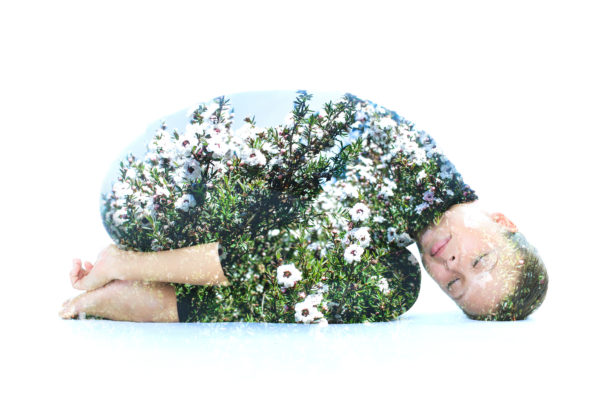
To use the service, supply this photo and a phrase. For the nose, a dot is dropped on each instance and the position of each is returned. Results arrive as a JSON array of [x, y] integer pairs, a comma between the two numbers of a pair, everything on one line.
[[451, 262]]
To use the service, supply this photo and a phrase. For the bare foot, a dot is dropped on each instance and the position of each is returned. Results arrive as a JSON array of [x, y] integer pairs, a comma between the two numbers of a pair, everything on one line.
[[76, 307], [125, 301], [91, 276]]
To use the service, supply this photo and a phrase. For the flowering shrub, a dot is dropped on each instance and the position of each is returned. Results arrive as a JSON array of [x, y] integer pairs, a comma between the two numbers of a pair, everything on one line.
[[313, 215]]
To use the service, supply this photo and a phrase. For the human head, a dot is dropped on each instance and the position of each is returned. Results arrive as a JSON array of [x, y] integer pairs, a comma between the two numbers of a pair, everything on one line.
[[483, 263]]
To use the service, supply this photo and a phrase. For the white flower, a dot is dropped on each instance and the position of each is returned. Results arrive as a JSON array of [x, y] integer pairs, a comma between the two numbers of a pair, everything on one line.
[[118, 203], [321, 247], [218, 167], [162, 191], [421, 175], [142, 201], [192, 129], [360, 212], [419, 156], [210, 109], [320, 288], [341, 118], [151, 158], [122, 189], [386, 191], [386, 157], [419, 209], [360, 115], [366, 172], [348, 190], [185, 143], [274, 232], [314, 299], [362, 235], [379, 219], [119, 217], [131, 173], [153, 145], [288, 275], [314, 246], [353, 253], [245, 132], [346, 241], [387, 122], [269, 148], [392, 234], [403, 239], [383, 285], [185, 202], [430, 150], [278, 160], [252, 156], [306, 312], [295, 233], [166, 146], [144, 214], [318, 132], [447, 171], [217, 145], [190, 170]]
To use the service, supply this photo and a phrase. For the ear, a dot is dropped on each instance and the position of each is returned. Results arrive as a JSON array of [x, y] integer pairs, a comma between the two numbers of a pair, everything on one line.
[[505, 222]]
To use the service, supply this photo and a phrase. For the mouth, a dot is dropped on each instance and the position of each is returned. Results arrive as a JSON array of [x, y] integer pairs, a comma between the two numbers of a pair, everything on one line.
[[439, 246]]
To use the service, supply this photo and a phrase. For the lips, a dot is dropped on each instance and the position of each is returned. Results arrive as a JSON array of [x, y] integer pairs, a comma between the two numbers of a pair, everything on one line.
[[439, 246]]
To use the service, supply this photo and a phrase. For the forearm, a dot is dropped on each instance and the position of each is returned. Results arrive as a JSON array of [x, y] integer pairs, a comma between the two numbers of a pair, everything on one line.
[[195, 265]]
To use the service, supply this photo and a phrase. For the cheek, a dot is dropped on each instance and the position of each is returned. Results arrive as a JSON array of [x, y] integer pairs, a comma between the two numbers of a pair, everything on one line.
[[436, 273], [483, 279], [426, 238]]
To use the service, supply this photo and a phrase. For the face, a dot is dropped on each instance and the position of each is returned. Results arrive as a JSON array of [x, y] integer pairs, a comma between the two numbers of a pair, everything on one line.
[[469, 257]]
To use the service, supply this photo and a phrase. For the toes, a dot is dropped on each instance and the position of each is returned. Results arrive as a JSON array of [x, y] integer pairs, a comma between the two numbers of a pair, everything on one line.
[[68, 310]]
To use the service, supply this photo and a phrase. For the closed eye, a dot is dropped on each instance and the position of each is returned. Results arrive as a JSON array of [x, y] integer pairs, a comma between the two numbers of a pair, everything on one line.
[[452, 282], [487, 260], [478, 259]]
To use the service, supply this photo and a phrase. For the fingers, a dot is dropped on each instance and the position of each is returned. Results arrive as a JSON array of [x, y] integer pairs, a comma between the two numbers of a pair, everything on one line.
[[87, 276], [88, 266], [75, 271], [79, 272]]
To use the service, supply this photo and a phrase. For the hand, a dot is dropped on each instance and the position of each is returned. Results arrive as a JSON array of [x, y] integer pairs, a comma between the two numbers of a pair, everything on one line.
[[88, 276]]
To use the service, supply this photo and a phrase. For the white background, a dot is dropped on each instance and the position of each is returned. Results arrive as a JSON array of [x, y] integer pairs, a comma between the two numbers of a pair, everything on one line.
[[510, 91]]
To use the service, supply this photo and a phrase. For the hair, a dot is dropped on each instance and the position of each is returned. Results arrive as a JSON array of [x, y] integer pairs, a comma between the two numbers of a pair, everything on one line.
[[530, 289]]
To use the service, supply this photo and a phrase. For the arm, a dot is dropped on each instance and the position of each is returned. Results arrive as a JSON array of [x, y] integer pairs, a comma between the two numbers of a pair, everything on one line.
[[195, 265]]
